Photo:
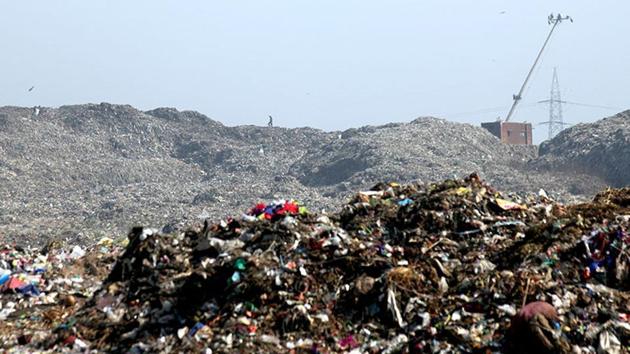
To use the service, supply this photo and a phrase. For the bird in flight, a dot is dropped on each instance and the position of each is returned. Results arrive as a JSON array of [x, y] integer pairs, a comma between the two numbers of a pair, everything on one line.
[[31, 89], [502, 12]]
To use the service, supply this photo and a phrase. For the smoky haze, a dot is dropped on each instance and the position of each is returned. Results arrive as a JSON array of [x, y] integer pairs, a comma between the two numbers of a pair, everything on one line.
[[326, 64]]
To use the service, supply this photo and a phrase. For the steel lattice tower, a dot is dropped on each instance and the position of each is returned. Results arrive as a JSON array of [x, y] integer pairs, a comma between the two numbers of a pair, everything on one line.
[[555, 122]]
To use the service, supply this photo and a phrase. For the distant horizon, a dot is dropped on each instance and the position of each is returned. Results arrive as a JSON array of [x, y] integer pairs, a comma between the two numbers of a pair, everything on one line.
[[263, 123]]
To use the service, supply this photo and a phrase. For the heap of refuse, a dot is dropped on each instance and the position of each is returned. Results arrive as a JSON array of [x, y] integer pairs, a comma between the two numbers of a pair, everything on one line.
[[40, 289], [103, 168], [599, 149], [440, 267]]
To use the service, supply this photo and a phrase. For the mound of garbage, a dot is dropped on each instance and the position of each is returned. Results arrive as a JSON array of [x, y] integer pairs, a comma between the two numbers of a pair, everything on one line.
[[430, 149], [82, 172], [439, 267], [599, 149], [85, 171], [427, 148]]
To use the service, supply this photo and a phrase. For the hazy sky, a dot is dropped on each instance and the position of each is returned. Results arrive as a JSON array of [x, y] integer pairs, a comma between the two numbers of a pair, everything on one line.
[[327, 64]]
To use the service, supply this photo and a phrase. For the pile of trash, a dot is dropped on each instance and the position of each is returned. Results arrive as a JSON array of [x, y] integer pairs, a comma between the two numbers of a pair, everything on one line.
[[442, 267], [103, 168], [40, 289], [599, 149], [275, 210]]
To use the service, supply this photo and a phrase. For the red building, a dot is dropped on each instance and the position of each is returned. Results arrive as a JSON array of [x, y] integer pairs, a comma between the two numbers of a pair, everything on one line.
[[510, 133]]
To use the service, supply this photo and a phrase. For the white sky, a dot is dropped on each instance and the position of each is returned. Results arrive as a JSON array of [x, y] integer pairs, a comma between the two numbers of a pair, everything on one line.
[[326, 64]]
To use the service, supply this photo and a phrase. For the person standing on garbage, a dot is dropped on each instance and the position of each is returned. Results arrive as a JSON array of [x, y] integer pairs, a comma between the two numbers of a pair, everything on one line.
[[536, 329], [270, 124]]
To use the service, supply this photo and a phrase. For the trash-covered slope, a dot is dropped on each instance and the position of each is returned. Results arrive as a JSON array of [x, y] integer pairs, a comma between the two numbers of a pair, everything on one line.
[[439, 267], [85, 170], [599, 149], [78, 172], [427, 149]]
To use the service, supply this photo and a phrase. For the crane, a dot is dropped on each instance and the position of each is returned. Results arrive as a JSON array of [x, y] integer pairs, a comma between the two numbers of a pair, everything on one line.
[[554, 20]]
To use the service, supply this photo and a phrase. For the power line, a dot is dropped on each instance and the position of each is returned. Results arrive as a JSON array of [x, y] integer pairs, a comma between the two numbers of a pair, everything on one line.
[[528, 105], [593, 105], [586, 105]]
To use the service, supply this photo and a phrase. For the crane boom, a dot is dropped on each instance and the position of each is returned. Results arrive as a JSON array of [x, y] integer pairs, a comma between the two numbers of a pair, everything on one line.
[[555, 20]]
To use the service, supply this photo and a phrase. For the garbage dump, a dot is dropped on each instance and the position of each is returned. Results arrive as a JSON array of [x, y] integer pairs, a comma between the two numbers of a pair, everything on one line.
[[600, 148], [166, 166], [449, 267]]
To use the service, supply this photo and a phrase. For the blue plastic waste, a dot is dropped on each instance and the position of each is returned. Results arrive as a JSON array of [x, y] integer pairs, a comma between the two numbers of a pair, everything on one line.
[[29, 289], [195, 328], [405, 202], [5, 278]]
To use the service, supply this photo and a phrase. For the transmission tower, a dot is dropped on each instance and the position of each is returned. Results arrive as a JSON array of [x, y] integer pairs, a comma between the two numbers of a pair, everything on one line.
[[555, 122]]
